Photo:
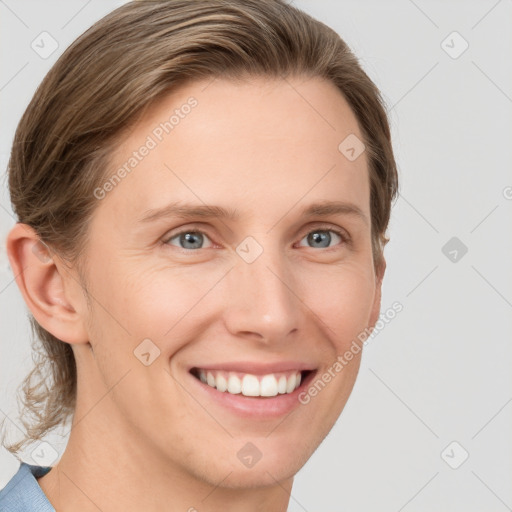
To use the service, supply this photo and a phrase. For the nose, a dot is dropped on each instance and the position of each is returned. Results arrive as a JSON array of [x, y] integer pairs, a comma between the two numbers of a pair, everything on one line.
[[263, 302]]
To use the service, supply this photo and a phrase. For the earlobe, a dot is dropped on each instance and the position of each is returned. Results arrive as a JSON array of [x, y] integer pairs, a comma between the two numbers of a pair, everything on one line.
[[46, 286]]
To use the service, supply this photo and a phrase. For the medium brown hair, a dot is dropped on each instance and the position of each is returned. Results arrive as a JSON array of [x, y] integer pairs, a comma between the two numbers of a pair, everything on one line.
[[108, 78]]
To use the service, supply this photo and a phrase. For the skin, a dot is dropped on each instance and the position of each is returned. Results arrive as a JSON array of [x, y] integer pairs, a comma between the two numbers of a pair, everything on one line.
[[142, 438]]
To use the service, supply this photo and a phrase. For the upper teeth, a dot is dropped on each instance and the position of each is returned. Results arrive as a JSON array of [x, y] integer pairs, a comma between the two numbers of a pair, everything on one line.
[[251, 385]]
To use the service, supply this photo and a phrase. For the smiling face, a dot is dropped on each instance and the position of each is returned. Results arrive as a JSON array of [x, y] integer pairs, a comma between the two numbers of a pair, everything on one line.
[[255, 291]]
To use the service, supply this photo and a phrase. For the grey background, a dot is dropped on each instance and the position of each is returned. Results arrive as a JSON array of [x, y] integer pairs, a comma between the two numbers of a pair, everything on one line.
[[440, 370]]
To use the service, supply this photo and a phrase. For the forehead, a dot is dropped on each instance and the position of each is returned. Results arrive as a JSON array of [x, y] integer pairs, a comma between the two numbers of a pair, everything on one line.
[[258, 144]]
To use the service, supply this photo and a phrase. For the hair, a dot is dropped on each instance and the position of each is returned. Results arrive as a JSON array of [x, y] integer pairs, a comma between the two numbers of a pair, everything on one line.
[[107, 79]]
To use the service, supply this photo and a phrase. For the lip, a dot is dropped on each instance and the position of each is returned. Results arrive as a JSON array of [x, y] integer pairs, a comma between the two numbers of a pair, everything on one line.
[[253, 407]]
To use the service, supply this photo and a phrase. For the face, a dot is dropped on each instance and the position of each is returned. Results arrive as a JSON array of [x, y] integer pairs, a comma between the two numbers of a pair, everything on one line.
[[240, 288]]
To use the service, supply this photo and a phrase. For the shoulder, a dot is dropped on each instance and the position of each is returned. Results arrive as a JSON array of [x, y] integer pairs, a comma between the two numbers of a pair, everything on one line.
[[22, 492]]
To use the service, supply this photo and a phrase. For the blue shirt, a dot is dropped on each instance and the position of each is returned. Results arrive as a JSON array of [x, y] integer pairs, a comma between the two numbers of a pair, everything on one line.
[[22, 492]]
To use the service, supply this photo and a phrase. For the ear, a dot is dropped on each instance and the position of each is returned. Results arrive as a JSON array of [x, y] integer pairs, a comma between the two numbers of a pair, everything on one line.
[[52, 293], [379, 276]]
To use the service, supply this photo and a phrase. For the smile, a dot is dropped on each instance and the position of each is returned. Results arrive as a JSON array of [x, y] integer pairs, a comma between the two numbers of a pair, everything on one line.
[[247, 384], [250, 389]]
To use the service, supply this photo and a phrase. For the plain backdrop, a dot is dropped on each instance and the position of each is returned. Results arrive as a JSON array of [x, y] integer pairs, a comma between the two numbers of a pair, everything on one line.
[[428, 424]]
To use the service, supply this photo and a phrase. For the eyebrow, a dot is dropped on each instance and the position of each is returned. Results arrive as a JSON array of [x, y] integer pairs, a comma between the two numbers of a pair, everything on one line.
[[188, 211]]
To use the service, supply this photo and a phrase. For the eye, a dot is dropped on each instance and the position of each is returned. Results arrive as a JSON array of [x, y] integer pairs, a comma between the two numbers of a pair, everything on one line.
[[322, 238], [189, 239]]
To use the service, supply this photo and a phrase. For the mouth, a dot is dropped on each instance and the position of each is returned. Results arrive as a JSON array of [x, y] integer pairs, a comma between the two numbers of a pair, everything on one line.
[[258, 395], [250, 385]]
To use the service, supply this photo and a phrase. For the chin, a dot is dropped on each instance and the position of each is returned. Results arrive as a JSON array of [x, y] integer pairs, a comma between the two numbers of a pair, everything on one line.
[[274, 466], [258, 477]]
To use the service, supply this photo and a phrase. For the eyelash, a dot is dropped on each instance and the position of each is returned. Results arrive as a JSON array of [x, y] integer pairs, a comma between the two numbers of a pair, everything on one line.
[[345, 238]]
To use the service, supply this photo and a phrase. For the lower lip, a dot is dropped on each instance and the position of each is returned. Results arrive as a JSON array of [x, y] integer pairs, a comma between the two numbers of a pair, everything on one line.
[[255, 407]]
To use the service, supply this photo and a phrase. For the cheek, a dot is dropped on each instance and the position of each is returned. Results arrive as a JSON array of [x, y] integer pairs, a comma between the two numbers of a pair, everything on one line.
[[168, 305], [143, 300], [342, 298], [165, 302]]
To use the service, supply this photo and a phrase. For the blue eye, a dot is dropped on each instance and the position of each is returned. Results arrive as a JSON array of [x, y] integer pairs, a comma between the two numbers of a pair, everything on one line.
[[189, 239], [318, 238], [322, 238]]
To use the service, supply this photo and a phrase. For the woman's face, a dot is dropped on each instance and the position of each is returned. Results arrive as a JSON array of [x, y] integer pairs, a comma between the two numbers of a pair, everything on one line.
[[253, 292]]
